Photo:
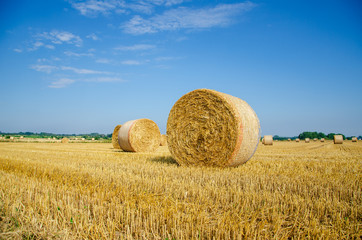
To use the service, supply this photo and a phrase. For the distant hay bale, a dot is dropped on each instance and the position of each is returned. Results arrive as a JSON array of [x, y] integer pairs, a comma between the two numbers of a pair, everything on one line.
[[338, 139], [11, 138], [82, 139], [21, 137], [210, 128], [65, 140], [268, 140], [354, 139], [115, 137], [307, 140], [93, 139], [163, 141], [141, 135], [289, 139], [297, 140], [322, 139], [315, 139]]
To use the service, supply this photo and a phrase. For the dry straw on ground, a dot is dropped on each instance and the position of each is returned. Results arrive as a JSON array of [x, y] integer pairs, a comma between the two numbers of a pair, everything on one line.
[[338, 139], [268, 140], [307, 140], [163, 141], [141, 135], [115, 137], [354, 139], [65, 140], [210, 128]]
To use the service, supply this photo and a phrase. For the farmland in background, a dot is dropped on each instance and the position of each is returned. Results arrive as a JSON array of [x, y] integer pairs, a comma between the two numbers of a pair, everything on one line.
[[92, 191]]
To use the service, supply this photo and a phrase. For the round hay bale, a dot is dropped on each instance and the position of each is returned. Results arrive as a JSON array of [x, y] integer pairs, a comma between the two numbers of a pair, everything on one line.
[[338, 139], [354, 139], [262, 141], [289, 139], [65, 140], [307, 140], [297, 140], [163, 141], [315, 139], [141, 135], [210, 128], [93, 139], [115, 137], [268, 140], [322, 139]]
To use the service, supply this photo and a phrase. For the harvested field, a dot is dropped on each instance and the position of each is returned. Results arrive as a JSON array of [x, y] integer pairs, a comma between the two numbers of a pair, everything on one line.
[[93, 191]]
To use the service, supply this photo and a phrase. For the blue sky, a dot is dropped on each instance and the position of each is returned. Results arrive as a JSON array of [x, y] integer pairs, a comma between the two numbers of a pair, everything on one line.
[[85, 66]]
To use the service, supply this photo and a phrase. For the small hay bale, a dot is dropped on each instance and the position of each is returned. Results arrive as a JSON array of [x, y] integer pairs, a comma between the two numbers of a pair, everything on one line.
[[322, 139], [307, 140], [315, 139], [338, 139], [115, 137], [141, 135], [163, 141], [93, 139], [210, 128], [268, 140], [11, 138], [65, 140], [354, 139], [289, 139], [297, 140]]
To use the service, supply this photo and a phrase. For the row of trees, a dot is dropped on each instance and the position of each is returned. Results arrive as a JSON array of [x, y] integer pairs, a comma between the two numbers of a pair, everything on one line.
[[312, 135], [96, 136]]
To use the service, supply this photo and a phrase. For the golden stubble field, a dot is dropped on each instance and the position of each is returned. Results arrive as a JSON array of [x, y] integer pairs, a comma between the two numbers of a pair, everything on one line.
[[92, 191]]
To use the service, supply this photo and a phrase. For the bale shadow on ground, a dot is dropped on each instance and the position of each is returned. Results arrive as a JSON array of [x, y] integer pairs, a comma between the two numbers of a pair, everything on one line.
[[166, 160]]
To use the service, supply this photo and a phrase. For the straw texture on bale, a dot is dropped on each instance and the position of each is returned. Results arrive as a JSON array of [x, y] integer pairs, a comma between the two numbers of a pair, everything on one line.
[[115, 137], [307, 140], [163, 141], [322, 139], [141, 135], [338, 139], [268, 140], [297, 139], [65, 140], [210, 128], [354, 139]]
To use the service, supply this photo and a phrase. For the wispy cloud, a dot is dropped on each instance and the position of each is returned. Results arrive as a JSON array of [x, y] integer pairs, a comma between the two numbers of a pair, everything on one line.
[[59, 37], [17, 50], [44, 68], [186, 18], [103, 60], [106, 79], [92, 8], [131, 62], [95, 7], [70, 53], [61, 83], [93, 36], [136, 47], [83, 71]]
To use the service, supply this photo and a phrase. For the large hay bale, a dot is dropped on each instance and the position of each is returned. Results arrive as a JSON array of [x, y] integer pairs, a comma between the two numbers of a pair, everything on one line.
[[322, 139], [115, 137], [141, 135], [210, 128], [65, 140], [338, 139], [307, 140], [297, 140], [268, 140], [163, 141], [354, 139]]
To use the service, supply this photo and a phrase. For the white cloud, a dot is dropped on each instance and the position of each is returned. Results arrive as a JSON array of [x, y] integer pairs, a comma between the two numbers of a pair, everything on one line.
[[82, 71], [136, 47], [93, 36], [186, 18], [70, 53], [61, 83], [17, 50], [103, 60], [44, 68], [95, 7], [60, 37], [131, 62]]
